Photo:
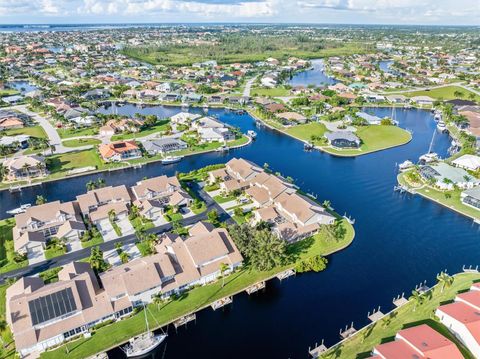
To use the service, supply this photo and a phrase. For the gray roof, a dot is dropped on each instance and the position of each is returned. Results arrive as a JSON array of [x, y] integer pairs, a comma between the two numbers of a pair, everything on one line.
[[162, 144], [342, 135], [454, 174], [473, 192]]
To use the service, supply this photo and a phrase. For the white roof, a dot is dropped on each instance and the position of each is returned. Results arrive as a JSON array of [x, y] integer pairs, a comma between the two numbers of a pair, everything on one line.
[[468, 161]]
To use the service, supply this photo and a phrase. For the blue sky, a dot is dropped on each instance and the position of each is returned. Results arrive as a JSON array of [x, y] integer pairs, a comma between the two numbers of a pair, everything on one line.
[[434, 12]]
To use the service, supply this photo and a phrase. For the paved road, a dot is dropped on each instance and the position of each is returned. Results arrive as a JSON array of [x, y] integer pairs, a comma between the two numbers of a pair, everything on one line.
[[53, 136], [248, 86], [125, 240]]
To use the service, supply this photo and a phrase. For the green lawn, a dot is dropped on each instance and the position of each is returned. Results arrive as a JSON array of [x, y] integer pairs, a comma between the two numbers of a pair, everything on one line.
[[159, 127], [304, 132], [273, 92], [444, 93], [194, 300], [360, 345], [50, 275], [452, 200], [77, 132], [34, 131], [173, 216], [140, 223], [375, 138], [61, 163], [8, 92], [81, 142], [95, 241], [222, 199], [54, 252], [144, 248], [7, 251], [239, 141]]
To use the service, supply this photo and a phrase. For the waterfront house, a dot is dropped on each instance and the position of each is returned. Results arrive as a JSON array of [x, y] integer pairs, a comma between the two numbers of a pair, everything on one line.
[[119, 151], [25, 167], [446, 177], [291, 117], [370, 119], [343, 139], [471, 197], [15, 142], [423, 100], [42, 316], [462, 319], [93, 200], [421, 342], [399, 99], [467, 162], [153, 195], [34, 228], [164, 145]]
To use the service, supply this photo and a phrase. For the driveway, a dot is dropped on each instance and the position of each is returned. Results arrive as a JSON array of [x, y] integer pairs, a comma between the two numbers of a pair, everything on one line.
[[125, 226], [248, 86], [74, 246], [35, 255], [159, 221], [106, 230], [113, 258]]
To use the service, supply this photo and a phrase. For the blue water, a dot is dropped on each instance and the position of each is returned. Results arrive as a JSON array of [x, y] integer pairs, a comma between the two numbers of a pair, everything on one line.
[[400, 241], [316, 76], [22, 86]]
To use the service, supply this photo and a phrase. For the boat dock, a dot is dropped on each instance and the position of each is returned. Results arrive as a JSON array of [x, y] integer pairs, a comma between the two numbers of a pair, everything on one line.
[[470, 269], [422, 288], [375, 315], [401, 189], [348, 332], [221, 303], [400, 300], [184, 320], [317, 350], [284, 275], [255, 288]]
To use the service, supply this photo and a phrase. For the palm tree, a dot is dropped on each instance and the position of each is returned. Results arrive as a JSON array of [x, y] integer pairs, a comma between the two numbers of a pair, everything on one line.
[[111, 215], [124, 257], [417, 298], [40, 200], [445, 279], [223, 268]]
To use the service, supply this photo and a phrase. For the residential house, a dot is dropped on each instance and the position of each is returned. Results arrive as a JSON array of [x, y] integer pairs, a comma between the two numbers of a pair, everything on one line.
[[343, 139], [471, 197], [34, 228], [163, 146], [25, 167], [119, 151], [446, 177], [467, 162]]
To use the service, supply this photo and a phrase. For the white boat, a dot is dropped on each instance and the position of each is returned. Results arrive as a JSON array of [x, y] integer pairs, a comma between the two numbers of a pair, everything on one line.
[[404, 165], [22, 209], [171, 159], [252, 134], [441, 126], [144, 343], [428, 157], [222, 149]]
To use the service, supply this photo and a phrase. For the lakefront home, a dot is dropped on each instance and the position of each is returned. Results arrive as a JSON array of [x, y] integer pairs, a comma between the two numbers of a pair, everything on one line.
[[119, 151], [25, 167], [343, 139], [45, 315]]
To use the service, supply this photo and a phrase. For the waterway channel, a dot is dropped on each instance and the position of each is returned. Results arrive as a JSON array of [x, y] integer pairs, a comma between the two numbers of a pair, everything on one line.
[[400, 241]]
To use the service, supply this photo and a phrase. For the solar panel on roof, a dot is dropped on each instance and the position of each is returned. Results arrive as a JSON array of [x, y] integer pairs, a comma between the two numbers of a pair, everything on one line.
[[119, 145], [52, 306]]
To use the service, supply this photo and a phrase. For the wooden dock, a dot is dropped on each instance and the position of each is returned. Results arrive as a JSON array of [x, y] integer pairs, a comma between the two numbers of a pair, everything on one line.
[[255, 288], [221, 303], [318, 350], [184, 320], [348, 332], [375, 316], [285, 274], [400, 300]]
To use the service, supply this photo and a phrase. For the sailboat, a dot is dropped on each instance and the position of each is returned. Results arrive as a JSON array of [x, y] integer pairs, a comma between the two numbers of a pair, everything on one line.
[[429, 156], [144, 343]]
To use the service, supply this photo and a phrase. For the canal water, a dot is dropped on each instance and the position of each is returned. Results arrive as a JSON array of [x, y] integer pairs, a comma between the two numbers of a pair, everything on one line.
[[401, 240], [315, 76]]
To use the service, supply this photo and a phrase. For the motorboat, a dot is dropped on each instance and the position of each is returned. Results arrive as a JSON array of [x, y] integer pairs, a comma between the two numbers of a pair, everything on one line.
[[428, 158], [252, 134], [441, 126], [22, 209], [171, 159], [405, 165]]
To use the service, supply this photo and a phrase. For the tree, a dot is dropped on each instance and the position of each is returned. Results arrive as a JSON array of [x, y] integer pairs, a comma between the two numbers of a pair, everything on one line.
[[445, 279], [3, 326], [124, 257], [111, 215], [268, 252], [96, 260], [223, 268], [418, 298], [40, 200], [213, 217]]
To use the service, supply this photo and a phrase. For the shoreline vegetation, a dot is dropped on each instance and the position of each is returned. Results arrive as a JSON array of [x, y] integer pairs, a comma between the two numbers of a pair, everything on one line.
[[163, 313], [370, 136], [449, 199], [410, 314], [89, 158]]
